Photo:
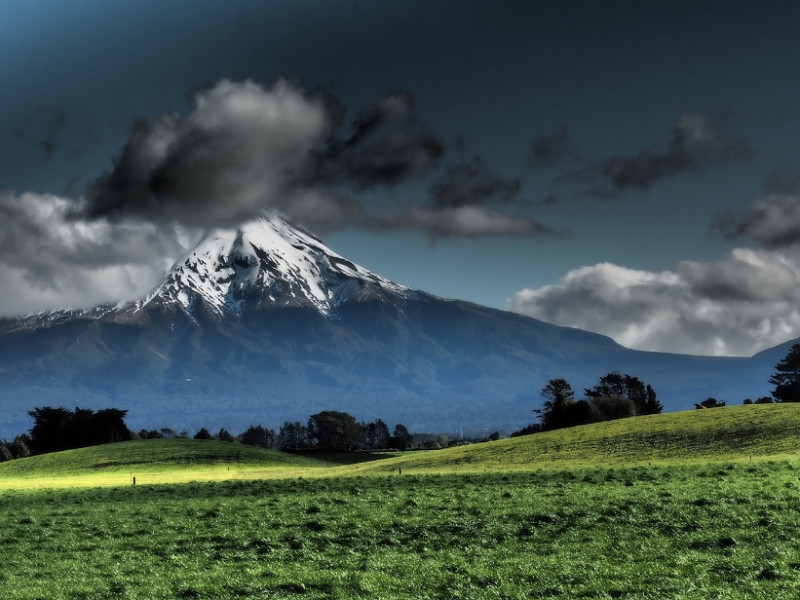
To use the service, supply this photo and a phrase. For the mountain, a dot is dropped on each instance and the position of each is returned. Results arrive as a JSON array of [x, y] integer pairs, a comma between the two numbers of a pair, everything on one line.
[[264, 323]]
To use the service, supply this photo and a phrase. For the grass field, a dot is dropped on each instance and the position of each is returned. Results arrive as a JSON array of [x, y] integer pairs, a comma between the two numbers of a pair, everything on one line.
[[701, 521], [162, 461], [736, 433]]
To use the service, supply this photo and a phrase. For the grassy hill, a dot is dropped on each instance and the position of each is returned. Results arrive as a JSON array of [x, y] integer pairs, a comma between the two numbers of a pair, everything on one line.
[[720, 434], [728, 433], [154, 461]]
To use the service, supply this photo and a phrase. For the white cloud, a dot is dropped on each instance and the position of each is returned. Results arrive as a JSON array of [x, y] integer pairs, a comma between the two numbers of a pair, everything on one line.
[[748, 301], [49, 259], [241, 149]]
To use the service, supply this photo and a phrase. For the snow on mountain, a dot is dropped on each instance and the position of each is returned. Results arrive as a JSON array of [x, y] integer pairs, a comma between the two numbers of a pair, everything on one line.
[[262, 264], [265, 263]]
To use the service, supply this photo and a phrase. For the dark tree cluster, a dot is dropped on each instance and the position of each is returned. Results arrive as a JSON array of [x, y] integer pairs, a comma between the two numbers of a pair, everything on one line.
[[335, 430], [19, 448], [259, 436], [615, 396], [57, 429], [787, 377]]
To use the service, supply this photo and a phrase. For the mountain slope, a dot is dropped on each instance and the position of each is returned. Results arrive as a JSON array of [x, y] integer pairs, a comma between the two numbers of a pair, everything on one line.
[[263, 324]]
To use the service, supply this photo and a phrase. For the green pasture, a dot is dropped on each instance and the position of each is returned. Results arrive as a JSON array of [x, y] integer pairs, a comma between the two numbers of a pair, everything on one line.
[[683, 531], [735, 433], [697, 505]]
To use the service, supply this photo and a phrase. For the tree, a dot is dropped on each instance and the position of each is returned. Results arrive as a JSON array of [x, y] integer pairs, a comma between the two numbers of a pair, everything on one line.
[[333, 430], [48, 433], [651, 404], [401, 438], [225, 436], [613, 407], [615, 384], [376, 434], [559, 396], [108, 426], [258, 436], [203, 434], [150, 435], [19, 447], [786, 378], [292, 436], [61, 429]]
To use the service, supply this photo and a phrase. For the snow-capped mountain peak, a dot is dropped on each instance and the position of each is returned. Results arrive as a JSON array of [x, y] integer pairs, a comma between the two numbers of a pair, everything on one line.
[[265, 263]]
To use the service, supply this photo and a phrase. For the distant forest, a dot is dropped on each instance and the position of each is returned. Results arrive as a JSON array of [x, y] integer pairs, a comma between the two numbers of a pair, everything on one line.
[[56, 429]]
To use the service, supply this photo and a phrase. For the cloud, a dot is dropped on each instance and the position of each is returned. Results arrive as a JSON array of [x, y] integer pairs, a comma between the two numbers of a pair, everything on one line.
[[552, 149], [472, 183], [697, 142], [739, 305], [461, 205], [772, 221], [244, 148], [49, 260], [461, 221], [241, 149], [388, 145]]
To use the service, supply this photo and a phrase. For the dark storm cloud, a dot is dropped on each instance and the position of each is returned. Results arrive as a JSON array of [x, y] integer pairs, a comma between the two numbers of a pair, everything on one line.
[[388, 145], [552, 149], [471, 183], [697, 142], [773, 220], [244, 148], [461, 205]]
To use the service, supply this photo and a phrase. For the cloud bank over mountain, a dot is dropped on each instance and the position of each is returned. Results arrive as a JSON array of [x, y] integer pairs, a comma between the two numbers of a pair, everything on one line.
[[738, 305], [49, 259]]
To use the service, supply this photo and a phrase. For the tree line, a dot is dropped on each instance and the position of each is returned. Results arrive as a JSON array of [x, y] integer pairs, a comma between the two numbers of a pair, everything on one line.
[[326, 430], [56, 429]]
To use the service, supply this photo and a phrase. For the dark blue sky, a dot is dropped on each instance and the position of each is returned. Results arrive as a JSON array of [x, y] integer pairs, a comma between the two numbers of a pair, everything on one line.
[[647, 151]]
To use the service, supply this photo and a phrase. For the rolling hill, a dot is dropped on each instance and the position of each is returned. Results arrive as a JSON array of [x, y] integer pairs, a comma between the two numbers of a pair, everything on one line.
[[736, 433]]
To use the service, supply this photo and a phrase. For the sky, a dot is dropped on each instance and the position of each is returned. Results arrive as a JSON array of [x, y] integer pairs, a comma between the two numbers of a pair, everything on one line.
[[625, 167]]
